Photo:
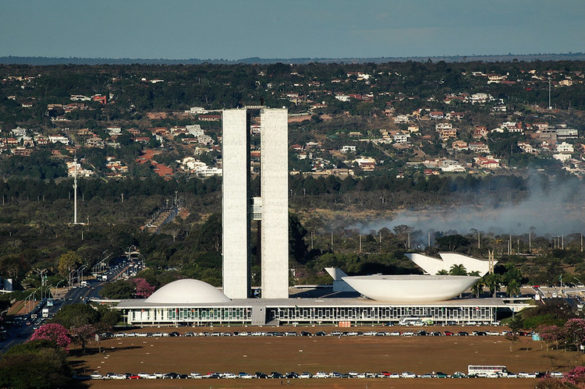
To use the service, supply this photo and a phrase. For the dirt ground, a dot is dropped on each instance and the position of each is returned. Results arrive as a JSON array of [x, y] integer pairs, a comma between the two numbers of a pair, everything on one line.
[[312, 354]]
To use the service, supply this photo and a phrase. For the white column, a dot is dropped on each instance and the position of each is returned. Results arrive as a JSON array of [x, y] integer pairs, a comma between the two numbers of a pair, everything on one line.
[[235, 204], [274, 193]]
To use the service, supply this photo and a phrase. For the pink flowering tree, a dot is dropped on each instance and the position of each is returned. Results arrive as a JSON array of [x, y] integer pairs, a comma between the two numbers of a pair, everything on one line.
[[82, 334], [550, 334], [143, 288], [577, 376], [574, 331], [53, 332]]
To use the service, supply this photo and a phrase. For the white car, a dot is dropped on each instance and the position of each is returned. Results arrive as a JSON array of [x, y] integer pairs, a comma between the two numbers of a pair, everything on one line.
[[394, 375], [321, 374], [305, 375], [556, 374], [196, 376], [96, 376], [526, 375], [408, 374]]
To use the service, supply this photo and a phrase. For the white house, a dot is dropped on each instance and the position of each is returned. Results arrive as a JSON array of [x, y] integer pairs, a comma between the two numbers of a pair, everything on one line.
[[565, 148], [348, 149]]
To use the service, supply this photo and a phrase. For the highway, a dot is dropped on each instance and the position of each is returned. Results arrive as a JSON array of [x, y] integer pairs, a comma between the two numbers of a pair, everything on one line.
[[24, 326]]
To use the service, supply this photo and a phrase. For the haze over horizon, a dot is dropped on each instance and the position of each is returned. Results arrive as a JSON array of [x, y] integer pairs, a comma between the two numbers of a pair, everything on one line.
[[234, 30]]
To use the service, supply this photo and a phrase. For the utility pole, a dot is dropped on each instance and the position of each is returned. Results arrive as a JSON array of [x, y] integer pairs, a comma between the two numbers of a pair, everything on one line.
[[478, 240], [360, 249], [510, 245], [380, 237], [331, 240], [408, 242], [529, 242], [429, 239]]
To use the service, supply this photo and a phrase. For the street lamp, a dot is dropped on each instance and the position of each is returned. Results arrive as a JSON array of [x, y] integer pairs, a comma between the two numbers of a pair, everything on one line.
[[80, 274], [70, 278]]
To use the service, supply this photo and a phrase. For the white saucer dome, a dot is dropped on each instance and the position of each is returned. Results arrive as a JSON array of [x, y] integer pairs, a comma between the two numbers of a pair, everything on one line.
[[187, 291], [410, 288]]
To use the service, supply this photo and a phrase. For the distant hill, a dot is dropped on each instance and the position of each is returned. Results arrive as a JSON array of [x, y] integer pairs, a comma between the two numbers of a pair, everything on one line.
[[10, 60]]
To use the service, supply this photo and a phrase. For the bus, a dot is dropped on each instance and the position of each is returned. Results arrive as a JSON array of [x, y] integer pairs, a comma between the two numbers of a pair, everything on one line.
[[486, 371]]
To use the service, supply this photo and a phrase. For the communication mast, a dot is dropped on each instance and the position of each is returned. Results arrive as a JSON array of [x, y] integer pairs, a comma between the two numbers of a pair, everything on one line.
[[549, 102], [75, 192]]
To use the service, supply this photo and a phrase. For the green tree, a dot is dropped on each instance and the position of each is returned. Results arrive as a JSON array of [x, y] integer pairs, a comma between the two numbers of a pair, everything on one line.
[[119, 290], [68, 262], [513, 288], [452, 242], [43, 367], [458, 270], [297, 233], [492, 281], [76, 315]]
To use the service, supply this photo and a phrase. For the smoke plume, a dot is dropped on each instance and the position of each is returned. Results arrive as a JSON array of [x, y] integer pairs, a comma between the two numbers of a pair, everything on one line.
[[555, 207]]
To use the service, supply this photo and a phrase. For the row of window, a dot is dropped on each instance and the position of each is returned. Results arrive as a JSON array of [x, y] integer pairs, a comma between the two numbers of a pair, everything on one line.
[[192, 314], [313, 314], [384, 313]]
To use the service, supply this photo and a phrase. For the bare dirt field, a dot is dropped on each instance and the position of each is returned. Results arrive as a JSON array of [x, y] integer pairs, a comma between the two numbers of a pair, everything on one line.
[[312, 354]]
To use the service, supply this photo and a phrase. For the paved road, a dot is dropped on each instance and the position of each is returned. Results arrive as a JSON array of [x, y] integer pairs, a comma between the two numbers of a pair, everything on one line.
[[21, 331], [23, 328]]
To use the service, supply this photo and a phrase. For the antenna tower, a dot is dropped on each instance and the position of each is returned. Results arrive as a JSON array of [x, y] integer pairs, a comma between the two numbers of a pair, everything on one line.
[[75, 192]]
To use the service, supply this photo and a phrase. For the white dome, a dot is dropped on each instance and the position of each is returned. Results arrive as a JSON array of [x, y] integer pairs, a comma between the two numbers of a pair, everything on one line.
[[187, 291], [410, 288]]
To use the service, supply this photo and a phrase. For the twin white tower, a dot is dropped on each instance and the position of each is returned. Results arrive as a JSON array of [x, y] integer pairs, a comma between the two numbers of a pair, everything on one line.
[[240, 208]]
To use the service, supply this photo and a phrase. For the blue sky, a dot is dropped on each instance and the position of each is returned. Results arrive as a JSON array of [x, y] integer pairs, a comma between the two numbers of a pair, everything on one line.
[[231, 29]]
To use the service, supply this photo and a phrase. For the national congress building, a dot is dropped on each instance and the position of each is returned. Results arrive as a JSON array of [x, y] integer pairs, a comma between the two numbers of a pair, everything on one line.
[[383, 299]]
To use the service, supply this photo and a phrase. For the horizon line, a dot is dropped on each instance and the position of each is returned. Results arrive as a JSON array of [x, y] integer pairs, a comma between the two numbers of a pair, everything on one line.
[[251, 60]]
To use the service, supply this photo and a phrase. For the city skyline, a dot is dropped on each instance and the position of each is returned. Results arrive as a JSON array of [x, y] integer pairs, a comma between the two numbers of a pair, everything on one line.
[[326, 29]]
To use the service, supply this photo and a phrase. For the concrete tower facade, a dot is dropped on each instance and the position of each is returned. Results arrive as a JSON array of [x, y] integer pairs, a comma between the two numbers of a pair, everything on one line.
[[273, 201], [236, 198], [274, 193]]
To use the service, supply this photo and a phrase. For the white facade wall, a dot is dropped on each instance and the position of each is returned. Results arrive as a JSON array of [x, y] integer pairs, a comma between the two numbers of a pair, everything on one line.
[[235, 219], [274, 193], [471, 264]]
